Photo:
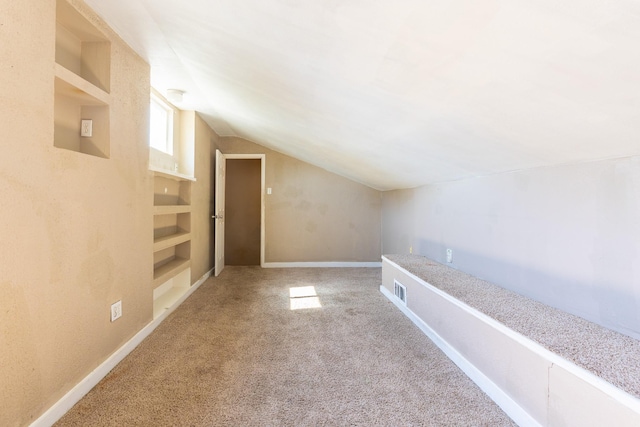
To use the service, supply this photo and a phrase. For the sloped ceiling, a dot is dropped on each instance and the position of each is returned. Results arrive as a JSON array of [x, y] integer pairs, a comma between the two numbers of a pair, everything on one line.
[[401, 93]]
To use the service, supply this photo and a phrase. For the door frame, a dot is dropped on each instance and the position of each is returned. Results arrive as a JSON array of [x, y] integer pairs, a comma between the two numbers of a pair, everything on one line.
[[263, 167]]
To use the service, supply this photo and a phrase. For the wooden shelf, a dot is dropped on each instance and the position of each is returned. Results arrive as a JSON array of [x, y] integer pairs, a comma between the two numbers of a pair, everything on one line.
[[75, 87], [171, 209], [171, 253], [172, 240], [169, 270]]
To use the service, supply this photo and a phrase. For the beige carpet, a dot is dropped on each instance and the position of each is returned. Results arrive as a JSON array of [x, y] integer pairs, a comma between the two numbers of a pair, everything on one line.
[[235, 354]]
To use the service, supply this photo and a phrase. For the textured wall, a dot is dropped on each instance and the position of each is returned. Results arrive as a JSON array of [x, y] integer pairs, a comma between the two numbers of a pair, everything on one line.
[[567, 236], [314, 215], [76, 229]]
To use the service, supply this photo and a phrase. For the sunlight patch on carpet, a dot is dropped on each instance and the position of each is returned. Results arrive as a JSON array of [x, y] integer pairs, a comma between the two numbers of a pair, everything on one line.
[[303, 297]]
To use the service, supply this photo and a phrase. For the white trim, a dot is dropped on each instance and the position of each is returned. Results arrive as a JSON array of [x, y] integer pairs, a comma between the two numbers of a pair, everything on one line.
[[330, 264], [263, 173], [508, 405], [605, 387], [245, 156], [58, 409], [201, 280], [157, 170]]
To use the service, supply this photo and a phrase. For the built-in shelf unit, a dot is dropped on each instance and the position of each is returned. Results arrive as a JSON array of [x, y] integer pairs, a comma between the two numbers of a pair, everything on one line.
[[171, 238], [82, 83]]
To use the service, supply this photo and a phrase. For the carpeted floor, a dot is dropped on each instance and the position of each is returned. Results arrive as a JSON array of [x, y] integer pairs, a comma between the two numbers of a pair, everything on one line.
[[235, 354]]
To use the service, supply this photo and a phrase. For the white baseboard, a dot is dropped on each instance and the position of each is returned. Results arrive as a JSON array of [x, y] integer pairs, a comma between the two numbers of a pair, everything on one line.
[[331, 264], [55, 412], [201, 280], [508, 405]]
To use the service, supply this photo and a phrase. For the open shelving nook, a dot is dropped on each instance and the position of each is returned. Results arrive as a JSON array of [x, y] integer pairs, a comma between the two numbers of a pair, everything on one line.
[[171, 239], [81, 84]]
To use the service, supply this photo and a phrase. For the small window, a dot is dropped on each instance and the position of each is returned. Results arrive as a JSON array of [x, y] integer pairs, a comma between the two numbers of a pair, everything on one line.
[[161, 126]]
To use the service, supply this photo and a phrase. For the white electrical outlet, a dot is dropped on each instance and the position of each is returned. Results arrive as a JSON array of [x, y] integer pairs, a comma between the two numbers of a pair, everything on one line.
[[116, 310], [86, 128], [449, 255]]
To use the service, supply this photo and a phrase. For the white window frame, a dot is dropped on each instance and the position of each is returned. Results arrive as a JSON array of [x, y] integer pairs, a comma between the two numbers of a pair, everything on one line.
[[156, 141]]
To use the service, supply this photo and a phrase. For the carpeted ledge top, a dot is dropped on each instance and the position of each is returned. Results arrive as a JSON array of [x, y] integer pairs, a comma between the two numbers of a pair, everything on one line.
[[610, 355]]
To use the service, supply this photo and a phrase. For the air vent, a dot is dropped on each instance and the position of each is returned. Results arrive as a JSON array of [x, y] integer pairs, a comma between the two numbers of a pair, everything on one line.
[[400, 291]]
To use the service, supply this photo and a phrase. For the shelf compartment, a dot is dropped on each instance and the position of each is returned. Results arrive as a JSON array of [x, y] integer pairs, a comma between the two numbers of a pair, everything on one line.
[[81, 47], [167, 191], [169, 270], [71, 106], [169, 224], [171, 291], [165, 242], [171, 209]]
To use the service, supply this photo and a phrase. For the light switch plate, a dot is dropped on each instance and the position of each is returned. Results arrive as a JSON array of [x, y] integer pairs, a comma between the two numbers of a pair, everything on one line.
[[116, 310]]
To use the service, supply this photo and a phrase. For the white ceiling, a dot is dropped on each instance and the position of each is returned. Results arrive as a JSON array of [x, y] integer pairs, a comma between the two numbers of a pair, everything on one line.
[[401, 93]]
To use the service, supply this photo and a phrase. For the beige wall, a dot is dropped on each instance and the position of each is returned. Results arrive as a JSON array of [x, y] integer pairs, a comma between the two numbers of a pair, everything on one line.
[[76, 229], [202, 256], [314, 215], [567, 235]]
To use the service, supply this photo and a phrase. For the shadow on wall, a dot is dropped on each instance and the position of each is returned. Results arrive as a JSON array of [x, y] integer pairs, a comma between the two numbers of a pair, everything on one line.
[[615, 310]]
